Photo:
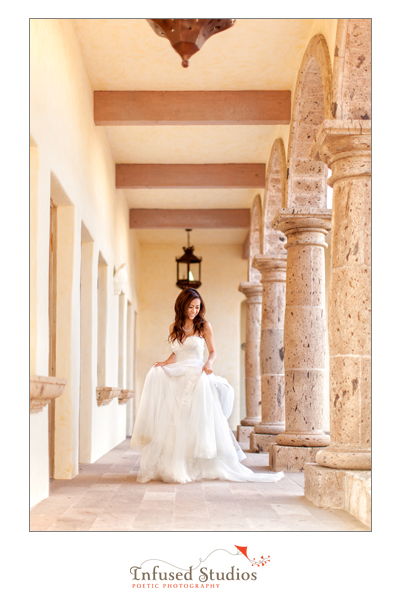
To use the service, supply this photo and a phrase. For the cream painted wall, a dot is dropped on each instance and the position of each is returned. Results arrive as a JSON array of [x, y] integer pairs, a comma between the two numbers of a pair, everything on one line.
[[222, 270], [72, 163], [39, 456]]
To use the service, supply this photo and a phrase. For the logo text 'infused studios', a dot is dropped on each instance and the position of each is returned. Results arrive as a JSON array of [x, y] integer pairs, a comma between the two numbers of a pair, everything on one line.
[[165, 575]]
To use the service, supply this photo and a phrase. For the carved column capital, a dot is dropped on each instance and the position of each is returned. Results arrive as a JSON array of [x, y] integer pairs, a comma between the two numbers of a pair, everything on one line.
[[307, 226], [252, 290], [272, 268], [345, 146]]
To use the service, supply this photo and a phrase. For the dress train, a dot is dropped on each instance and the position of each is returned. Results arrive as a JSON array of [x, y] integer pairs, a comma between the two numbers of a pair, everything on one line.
[[182, 423]]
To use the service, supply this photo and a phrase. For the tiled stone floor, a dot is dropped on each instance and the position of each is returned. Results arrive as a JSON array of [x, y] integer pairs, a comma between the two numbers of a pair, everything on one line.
[[104, 496]]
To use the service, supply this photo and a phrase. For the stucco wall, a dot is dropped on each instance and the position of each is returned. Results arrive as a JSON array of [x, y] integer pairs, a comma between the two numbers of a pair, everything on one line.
[[72, 163], [222, 270]]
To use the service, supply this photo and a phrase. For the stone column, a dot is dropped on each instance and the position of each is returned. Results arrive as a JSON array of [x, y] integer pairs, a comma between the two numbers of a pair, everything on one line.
[[273, 281], [304, 337], [342, 477], [253, 293], [346, 148]]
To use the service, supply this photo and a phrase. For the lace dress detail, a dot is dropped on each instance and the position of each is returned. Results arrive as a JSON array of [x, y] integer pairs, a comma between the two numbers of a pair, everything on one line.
[[192, 348], [182, 423]]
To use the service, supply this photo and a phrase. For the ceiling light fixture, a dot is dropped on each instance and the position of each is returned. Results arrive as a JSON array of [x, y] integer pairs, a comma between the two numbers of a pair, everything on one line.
[[188, 35], [188, 268]]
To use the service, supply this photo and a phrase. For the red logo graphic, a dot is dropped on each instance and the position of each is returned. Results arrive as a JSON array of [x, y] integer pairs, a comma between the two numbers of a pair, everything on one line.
[[260, 563]]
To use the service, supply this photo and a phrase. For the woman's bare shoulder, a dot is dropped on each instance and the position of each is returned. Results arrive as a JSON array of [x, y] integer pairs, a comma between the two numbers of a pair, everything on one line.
[[171, 327], [207, 327]]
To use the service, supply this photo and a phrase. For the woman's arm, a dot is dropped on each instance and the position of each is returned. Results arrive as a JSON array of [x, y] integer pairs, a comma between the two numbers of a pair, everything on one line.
[[171, 359], [212, 354]]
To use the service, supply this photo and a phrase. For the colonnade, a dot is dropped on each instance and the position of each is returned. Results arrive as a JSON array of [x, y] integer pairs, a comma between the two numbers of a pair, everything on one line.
[[293, 344]]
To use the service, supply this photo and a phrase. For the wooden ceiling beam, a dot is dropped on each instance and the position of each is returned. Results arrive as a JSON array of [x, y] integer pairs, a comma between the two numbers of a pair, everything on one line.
[[216, 218], [240, 175], [252, 107]]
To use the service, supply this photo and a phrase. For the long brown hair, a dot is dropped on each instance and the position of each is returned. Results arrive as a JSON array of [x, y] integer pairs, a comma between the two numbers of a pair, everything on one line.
[[181, 306]]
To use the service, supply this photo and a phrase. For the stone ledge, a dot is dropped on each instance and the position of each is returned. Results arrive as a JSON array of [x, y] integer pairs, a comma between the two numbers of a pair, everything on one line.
[[259, 442], [104, 395], [291, 459], [336, 488], [358, 495], [43, 389], [324, 486], [125, 396]]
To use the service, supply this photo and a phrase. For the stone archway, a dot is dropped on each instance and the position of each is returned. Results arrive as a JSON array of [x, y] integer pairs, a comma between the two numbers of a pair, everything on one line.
[[306, 186], [305, 220], [351, 88], [272, 241], [255, 236]]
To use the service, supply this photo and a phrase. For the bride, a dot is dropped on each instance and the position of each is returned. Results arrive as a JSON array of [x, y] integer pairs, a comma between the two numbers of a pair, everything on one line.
[[182, 417]]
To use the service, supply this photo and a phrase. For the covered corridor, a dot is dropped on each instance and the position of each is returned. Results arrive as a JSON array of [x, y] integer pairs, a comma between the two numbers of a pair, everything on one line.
[[127, 150], [105, 496]]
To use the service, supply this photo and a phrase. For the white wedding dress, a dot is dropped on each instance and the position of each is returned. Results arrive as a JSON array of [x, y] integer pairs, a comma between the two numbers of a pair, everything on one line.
[[182, 423]]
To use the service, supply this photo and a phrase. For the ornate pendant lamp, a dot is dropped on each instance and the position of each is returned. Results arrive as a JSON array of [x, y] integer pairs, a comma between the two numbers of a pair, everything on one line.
[[188, 267], [188, 35]]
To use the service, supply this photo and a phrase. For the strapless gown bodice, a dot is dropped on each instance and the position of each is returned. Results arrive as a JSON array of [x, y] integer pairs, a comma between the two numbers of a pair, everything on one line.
[[191, 349], [182, 424]]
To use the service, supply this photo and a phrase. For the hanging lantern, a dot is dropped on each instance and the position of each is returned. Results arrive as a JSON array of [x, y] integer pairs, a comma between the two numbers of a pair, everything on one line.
[[188, 35], [188, 268]]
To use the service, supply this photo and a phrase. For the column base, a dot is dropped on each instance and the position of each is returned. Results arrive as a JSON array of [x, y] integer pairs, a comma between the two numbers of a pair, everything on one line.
[[336, 488], [313, 440], [344, 459], [250, 421], [267, 428], [290, 459], [243, 433], [260, 442]]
